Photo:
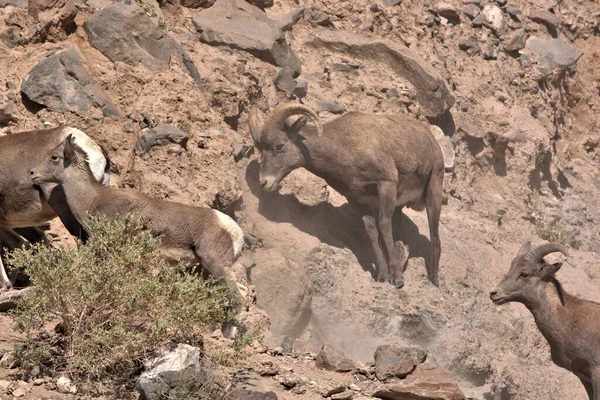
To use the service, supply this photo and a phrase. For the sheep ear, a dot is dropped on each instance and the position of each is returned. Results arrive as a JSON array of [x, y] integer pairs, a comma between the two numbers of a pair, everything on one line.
[[547, 271], [256, 122], [295, 128], [69, 148]]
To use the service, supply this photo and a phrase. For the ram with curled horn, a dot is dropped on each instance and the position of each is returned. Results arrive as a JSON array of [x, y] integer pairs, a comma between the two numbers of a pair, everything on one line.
[[380, 163], [24, 207], [570, 325]]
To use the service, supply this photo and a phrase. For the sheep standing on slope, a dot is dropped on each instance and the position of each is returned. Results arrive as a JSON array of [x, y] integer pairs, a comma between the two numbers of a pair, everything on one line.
[[570, 325], [378, 162], [187, 233], [22, 207]]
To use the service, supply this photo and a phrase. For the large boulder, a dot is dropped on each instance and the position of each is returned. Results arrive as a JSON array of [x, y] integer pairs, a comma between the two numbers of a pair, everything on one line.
[[240, 25], [432, 93], [182, 365], [332, 360], [62, 83], [427, 382], [559, 52], [397, 362], [124, 32], [283, 290]]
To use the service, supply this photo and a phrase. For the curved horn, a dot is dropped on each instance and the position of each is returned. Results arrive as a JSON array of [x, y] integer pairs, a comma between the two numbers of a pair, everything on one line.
[[540, 251], [282, 112]]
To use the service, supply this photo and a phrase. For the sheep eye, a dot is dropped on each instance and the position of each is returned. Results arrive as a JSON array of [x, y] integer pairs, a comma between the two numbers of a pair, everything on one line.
[[524, 275], [279, 148], [54, 158]]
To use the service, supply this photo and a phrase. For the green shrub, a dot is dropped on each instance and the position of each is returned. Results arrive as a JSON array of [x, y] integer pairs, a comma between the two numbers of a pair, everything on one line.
[[117, 302]]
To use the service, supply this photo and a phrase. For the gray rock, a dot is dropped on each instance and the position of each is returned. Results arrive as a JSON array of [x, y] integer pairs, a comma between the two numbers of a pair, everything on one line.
[[561, 53], [447, 11], [284, 81], [467, 43], [288, 20], [125, 33], [173, 368], [545, 17], [471, 10], [11, 36], [432, 93], [197, 3], [240, 25], [391, 3], [515, 42], [347, 395], [53, 18], [501, 3], [490, 53], [525, 61], [8, 113], [478, 21], [160, 136], [330, 106], [396, 362], [13, 3], [493, 18], [301, 89], [62, 83], [318, 17], [514, 12], [464, 123], [427, 382], [262, 4], [333, 360], [243, 394]]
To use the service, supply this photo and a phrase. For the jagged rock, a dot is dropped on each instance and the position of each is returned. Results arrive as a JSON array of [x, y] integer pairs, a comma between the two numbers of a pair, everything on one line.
[[560, 52], [301, 89], [262, 4], [11, 36], [287, 300], [515, 42], [124, 32], [285, 82], [493, 18], [288, 20], [545, 17], [390, 3], [62, 83], [525, 61], [471, 10], [467, 43], [470, 127], [317, 17], [396, 362], [432, 93], [51, 16], [9, 113], [446, 146], [197, 3], [333, 360], [160, 136], [490, 53], [427, 382], [243, 394], [447, 11], [171, 369], [478, 21], [514, 12], [330, 106], [241, 25], [347, 395], [13, 3]]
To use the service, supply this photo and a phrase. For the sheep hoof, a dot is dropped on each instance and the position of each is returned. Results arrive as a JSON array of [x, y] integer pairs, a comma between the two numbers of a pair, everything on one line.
[[399, 283]]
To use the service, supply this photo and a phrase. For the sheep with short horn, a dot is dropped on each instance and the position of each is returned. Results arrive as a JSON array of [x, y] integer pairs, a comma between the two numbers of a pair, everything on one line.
[[22, 206], [570, 325], [192, 234], [380, 163]]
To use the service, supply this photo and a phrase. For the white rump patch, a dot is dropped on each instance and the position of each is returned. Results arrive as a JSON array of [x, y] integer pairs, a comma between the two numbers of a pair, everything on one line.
[[94, 156], [234, 230]]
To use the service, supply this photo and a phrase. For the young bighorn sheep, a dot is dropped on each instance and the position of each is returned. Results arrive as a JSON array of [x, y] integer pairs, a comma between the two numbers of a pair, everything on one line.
[[570, 325], [191, 234], [378, 162], [22, 207]]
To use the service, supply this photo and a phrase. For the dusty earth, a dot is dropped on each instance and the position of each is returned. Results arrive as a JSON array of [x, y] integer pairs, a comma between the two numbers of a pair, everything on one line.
[[526, 145]]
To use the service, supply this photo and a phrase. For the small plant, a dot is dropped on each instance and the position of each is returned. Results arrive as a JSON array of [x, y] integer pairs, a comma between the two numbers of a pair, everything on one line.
[[117, 302], [150, 10]]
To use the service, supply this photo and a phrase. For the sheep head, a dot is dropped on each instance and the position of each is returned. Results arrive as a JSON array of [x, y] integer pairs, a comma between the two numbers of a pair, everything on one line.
[[527, 272], [277, 141]]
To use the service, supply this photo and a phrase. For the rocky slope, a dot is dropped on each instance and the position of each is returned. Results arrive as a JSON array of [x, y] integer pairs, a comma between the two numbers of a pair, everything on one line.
[[514, 86]]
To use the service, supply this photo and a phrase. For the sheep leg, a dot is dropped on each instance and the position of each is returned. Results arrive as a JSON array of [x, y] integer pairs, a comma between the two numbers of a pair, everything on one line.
[[433, 203], [595, 391], [6, 284], [588, 388], [373, 233], [387, 206], [33, 235]]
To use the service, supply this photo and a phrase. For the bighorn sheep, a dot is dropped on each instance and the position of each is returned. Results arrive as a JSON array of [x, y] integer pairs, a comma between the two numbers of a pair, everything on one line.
[[570, 325], [191, 234], [378, 162], [22, 207]]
